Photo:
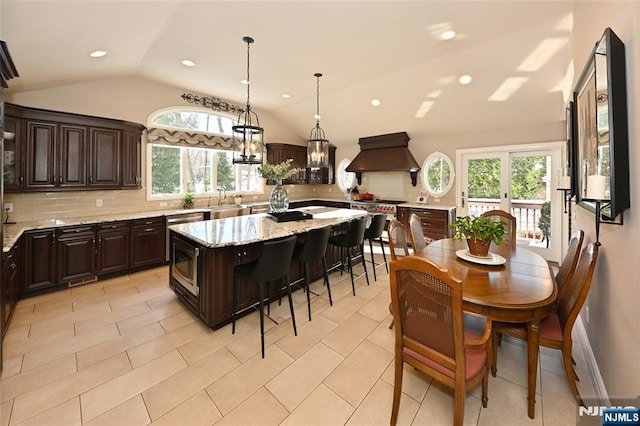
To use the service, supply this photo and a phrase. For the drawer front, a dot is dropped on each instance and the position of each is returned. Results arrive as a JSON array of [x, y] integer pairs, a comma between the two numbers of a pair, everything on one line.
[[72, 231], [431, 214], [113, 227], [148, 222]]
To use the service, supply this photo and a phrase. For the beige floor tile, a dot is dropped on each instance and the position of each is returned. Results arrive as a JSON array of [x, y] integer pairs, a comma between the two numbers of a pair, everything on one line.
[[103, 398], [200, 347], [376, 407], [378, 308], [110, 318], [323, 406], [178, 320], [259, 409], [512, 361], [507, 401], [437, 408], [556, 400], [357, 374], [309, 334], [350, 333], [68, 346], [198, 410], [5, 412], [414, 383], [16, 333], [130, 413], [88, 290], [235, 387], [37, 377], [133, 323], [248, 346], [118, 344], [77, 316], [11, 366], [122, 302], [64, 414], [184, 384], [384, 336], [113, 285], [64, 331], [300, 378], [48, 396], [344, 308], [148, 351]]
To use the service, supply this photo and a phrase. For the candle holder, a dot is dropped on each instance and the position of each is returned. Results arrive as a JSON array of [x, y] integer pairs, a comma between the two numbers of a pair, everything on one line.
[[566, 195]]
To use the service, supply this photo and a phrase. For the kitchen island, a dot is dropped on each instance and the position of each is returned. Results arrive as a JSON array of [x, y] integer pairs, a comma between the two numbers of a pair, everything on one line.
[[203, 255]]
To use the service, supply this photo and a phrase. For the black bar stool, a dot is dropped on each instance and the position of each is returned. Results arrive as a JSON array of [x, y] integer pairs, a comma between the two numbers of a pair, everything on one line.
[[274, 263], [314, 247], [374, 233], [353, 238]]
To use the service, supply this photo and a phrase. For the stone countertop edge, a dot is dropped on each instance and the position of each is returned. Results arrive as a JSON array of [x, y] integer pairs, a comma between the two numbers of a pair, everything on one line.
[[248, 229], [426, 206]]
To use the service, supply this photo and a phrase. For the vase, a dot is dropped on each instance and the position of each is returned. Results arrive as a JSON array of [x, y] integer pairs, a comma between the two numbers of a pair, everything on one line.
[[479, 248], [279, 199]]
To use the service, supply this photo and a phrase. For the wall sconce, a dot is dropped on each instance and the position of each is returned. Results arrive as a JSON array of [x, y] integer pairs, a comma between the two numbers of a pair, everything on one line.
[[564, 185], [596, 192]]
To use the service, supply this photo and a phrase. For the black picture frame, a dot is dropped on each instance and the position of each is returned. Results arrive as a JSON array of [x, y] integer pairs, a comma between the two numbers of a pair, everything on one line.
[[570, 132]]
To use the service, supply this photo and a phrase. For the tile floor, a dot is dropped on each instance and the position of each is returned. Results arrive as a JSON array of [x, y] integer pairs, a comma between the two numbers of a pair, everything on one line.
[[125, 351]]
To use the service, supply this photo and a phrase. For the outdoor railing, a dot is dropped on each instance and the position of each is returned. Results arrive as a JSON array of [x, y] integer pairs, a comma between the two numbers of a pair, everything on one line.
[[527, 213]]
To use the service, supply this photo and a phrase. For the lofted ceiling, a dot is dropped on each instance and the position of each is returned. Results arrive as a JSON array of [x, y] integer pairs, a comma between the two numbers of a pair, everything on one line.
[[389, 50]]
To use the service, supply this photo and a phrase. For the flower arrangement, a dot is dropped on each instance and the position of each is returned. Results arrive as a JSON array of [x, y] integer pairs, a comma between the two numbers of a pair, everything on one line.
[[277, 171]]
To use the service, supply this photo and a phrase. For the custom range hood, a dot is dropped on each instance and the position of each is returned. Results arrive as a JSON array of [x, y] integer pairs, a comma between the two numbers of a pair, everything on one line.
[[385, 153]]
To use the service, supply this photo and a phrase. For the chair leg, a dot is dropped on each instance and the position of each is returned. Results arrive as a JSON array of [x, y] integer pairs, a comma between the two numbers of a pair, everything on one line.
[[364, 264], [234, 303], [305, 270], [458, 406], [568, 369], [326, 278], [353, 285], [293, 314], [397, 388], [485, 387], [261, 285], [373, 260], [384, 256]]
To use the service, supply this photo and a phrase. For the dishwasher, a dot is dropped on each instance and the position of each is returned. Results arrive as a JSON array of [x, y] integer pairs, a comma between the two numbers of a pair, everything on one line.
[[176, 219]]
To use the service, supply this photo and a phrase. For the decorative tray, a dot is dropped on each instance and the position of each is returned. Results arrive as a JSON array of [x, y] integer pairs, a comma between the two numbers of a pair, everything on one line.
[[492, 259], [289, 215]]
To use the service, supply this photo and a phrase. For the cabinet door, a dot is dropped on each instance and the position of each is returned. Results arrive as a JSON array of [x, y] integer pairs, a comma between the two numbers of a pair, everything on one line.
[[147, 242], [39, 260], [113, 250], [13, 170], [76, 258], [131, 159], [299, 156], [40, 164], [73, 157], [104, 171]]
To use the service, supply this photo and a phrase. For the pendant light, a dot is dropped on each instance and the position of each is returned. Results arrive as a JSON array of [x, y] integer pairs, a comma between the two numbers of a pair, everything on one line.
[[247, 134], [317, 145]]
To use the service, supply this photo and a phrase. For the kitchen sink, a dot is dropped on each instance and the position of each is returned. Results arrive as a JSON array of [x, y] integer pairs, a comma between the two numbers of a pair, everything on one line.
[[219, 212]]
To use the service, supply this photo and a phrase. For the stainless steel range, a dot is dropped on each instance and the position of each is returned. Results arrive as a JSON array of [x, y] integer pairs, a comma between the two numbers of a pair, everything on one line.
[[387, 207]]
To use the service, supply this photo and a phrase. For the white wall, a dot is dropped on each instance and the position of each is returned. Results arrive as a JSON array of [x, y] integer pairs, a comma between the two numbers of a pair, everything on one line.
[[614, 319]]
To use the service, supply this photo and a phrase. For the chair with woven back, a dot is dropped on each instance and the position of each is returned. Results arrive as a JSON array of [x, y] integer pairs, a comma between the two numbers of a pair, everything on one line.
[[418, 240], [555, 329], [397, 239], [430, 335], [510, 230]]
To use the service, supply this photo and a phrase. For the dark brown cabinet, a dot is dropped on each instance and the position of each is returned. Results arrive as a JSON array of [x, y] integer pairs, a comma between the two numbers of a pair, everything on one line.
[[13, 172], [40, 155], [113, 247], [147, 242], [73, 157], [435, 222], [11, 281], [132, 156], [39, 260], [279, 152], [105, 158], [75, 254]]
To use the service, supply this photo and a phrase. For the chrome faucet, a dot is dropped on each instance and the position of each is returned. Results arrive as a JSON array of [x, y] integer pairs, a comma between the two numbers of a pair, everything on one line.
[[221, 197]]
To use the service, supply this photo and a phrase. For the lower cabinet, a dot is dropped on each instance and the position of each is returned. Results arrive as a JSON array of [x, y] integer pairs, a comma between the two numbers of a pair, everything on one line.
[[76, 254], [435, 221], [113, 247], [39, 260], [147, 241], [11, 282]]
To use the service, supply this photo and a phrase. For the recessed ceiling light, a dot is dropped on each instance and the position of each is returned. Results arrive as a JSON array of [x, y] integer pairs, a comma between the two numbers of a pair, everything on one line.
[[188, 63], [448, 35], [98, 53], [375, 102], [286, 95], [464, 79]]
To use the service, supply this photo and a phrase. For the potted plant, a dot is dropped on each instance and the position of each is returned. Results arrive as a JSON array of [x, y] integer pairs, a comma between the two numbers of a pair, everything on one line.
[[237, 199], [479, 231], [188, 200], [279, 199]]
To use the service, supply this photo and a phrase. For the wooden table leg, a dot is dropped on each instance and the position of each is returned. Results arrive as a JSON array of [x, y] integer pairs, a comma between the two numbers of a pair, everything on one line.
[[533, 343]]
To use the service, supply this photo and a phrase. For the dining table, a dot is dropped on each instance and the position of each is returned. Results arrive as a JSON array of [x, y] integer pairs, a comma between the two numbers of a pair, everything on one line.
[[514, 285]]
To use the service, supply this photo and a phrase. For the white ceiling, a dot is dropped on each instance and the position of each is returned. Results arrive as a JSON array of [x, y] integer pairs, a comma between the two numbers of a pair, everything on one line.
[[388, 50]]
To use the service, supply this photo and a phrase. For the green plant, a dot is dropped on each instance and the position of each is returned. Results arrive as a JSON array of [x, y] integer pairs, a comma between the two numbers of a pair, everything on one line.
[[277, 171], [478, 228], [188, 198]]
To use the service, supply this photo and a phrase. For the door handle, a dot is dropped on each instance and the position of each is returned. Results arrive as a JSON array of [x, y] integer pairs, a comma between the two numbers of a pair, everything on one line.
[[462, 200]]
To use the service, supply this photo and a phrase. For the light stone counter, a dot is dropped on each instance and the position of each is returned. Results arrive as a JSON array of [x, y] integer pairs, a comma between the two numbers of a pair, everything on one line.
[[426, 206], [241, 230]]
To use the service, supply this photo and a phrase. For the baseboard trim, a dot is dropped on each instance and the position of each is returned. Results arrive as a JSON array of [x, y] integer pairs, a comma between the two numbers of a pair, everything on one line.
[[585, 347]]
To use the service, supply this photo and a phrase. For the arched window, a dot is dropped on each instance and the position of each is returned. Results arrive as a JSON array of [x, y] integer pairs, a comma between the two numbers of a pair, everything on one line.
[[190, 150], [345, 180]]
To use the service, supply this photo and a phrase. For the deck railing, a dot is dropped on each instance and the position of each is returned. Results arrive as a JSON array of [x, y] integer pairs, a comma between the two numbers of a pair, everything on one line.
[[527, 213]]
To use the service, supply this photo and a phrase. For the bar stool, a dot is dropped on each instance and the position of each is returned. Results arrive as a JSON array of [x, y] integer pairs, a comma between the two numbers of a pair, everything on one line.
[[274, 263], [314, 247], [374, 233], [354, 237]]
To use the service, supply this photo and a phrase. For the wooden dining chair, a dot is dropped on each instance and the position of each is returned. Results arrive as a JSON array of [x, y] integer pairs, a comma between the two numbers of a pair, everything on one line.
[[417, 235], [511, 225], [555, 330], [570, 261], [397, 239], [430, 336]]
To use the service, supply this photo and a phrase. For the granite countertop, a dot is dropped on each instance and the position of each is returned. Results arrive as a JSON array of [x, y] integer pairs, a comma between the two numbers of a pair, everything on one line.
[[426, 206], [242, 230]]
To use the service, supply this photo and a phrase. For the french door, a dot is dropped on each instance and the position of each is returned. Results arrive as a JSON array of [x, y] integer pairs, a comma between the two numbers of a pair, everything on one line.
[[521, 180]]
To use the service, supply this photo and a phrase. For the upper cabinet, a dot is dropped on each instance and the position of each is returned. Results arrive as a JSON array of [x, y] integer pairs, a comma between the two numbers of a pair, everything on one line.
[[59, 151], [279, 152], [13, 134]]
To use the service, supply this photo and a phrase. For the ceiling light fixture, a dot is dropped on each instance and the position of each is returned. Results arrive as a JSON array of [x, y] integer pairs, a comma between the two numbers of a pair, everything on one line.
[[375, 102], [317, 145], [188, 63], [98, 53], [464, 79], [448, 35], [247, 134], [286, 95]]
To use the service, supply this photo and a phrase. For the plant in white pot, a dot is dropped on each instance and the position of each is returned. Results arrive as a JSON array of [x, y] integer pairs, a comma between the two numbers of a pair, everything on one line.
[[479, 232]]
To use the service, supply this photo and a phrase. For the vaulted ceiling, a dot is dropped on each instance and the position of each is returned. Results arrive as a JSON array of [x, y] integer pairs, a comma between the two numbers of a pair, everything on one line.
[[388, 50]]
